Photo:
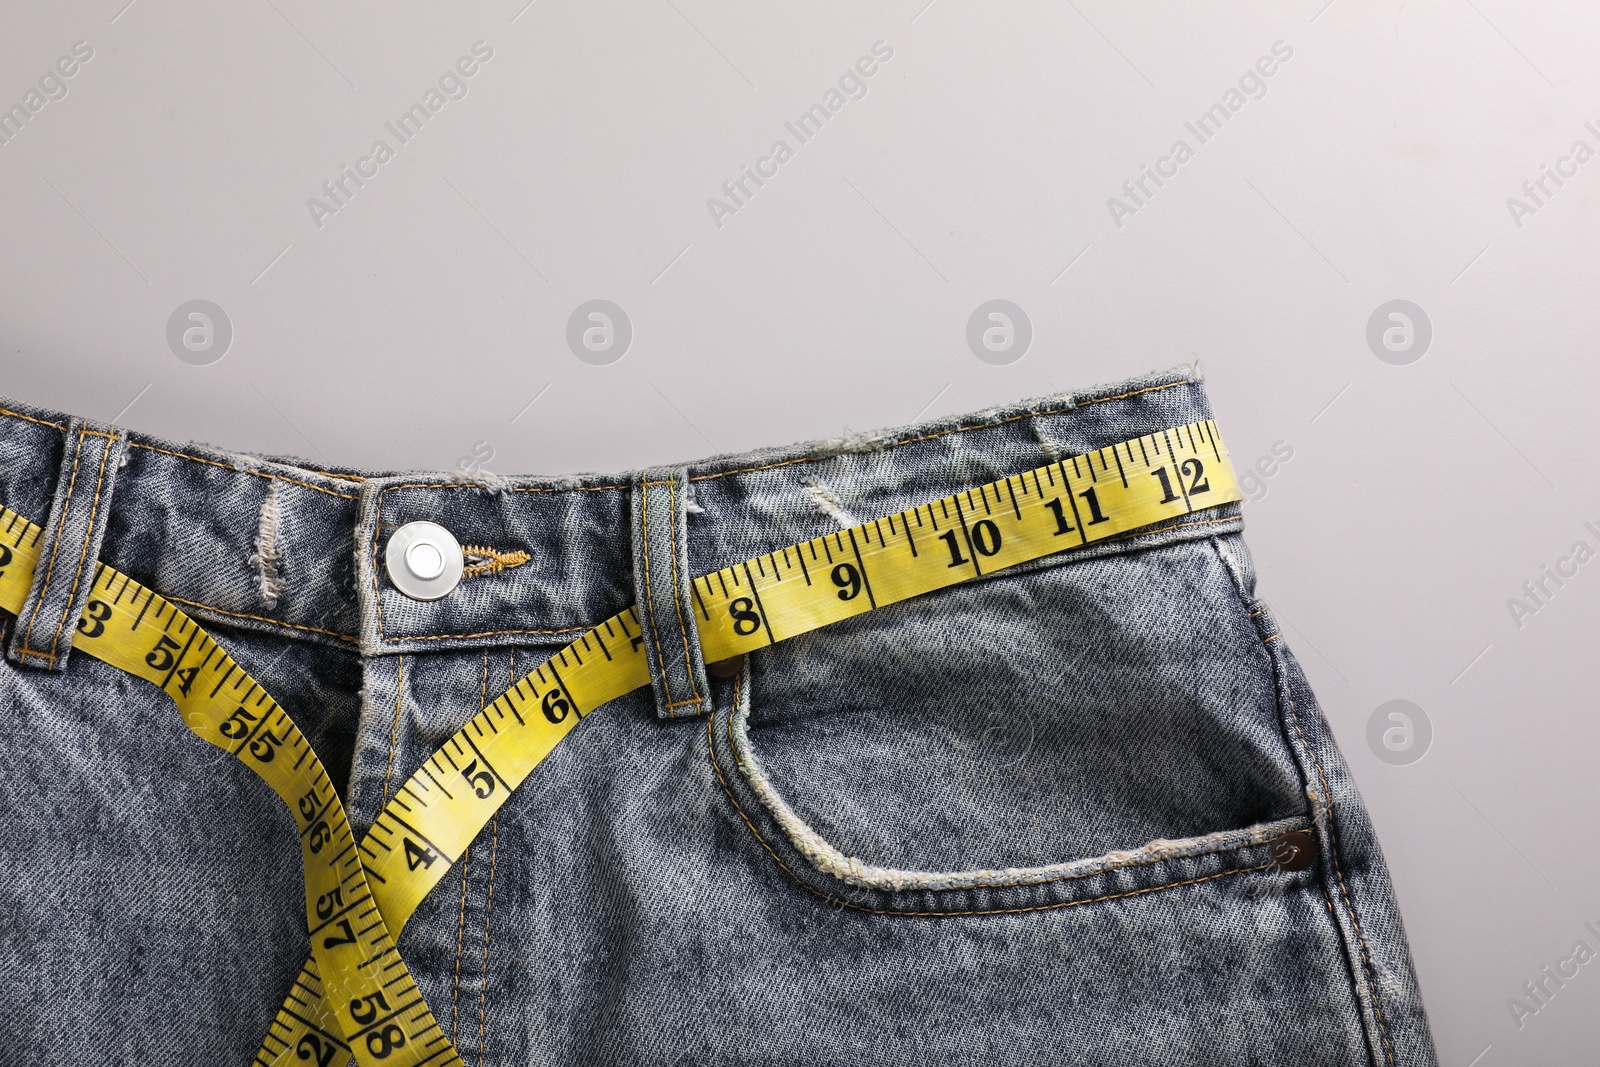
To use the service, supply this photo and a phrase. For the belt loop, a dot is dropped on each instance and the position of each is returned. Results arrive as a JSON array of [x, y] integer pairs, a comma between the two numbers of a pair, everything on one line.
[[664, 596], [70, 548]]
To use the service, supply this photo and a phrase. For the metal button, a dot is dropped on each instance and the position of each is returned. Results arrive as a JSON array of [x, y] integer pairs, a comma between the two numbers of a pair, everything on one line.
[[1295, 851], [726, 668], [424, 560]]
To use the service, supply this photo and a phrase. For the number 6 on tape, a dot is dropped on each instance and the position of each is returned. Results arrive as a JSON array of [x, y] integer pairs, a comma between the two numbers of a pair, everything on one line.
[[354, 994]]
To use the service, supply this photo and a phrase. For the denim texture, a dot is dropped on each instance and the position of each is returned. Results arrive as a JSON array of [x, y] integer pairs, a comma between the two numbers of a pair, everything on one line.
[[1032, 819], [70, 546]]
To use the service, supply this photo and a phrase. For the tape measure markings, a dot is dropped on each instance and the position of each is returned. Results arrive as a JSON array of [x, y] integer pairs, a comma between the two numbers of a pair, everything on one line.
[[1108, 517], [134, 629], [425, 827]]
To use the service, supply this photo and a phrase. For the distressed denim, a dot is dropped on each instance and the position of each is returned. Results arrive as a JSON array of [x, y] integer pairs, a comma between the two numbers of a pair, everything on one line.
[[1038, 818]]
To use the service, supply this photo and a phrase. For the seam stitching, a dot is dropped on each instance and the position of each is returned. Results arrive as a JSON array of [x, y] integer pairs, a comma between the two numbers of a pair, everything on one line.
[[461, 926], [61, 525], [258, 618], [1333, 840], [942, 433], [378, 523], [649, 595], [733, 748], [488, 910], [342, 477], [484, 633], [377, 592], [83, 553], [466, 859], [677, 589], [597, 488], [1344, 889], [394, 735], [246, 470], [511, 489], [576, 629], [717, 766], [30, 418]]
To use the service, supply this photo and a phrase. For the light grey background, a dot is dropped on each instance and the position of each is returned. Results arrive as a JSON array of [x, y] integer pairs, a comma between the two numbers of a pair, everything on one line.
[[416, 325]]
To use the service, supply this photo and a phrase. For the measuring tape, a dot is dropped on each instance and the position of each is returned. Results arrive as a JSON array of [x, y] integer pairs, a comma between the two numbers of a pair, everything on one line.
[[354, 995]]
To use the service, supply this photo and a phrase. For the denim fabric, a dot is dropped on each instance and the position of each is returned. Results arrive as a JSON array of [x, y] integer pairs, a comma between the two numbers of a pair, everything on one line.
[[661, 589], [1038, 818], [70, 546]]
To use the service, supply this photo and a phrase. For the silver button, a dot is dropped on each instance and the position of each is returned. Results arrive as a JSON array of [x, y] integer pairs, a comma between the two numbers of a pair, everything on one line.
[[424, 560]]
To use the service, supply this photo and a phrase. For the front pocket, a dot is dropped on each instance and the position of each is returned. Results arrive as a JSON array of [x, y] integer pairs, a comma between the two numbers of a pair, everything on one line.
[[1082, 731]]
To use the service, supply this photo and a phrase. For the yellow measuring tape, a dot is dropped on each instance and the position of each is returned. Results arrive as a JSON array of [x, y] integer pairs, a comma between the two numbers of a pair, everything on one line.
[[354, 995]]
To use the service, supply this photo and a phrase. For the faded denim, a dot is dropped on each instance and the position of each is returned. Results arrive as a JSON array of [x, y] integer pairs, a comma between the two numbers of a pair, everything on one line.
[[1032, 819]]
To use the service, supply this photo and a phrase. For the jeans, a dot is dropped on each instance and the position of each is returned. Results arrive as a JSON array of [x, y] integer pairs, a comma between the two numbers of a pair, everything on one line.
[[1082, 811]]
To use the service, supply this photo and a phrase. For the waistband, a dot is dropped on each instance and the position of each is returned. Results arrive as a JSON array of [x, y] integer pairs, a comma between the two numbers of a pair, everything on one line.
[[273, 545]]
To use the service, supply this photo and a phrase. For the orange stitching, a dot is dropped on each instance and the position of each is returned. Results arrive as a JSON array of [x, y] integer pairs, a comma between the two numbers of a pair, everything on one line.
[[684, 703], [461, 926], [587, 627], [1344, 890], [494, 851], [488, 911], [818, 458], [593, 488], [61, 525], [394, 736], [83, 554], [513, 489], [259, 618], [30, 418], [1124, 396], [1333, 840], [677, 598], [466, 859], [378, 597], [377, 593], [942, 433], [717, 766], [495, 561], [1333, 836], [244, 470], [649, 596], [485, 633]]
